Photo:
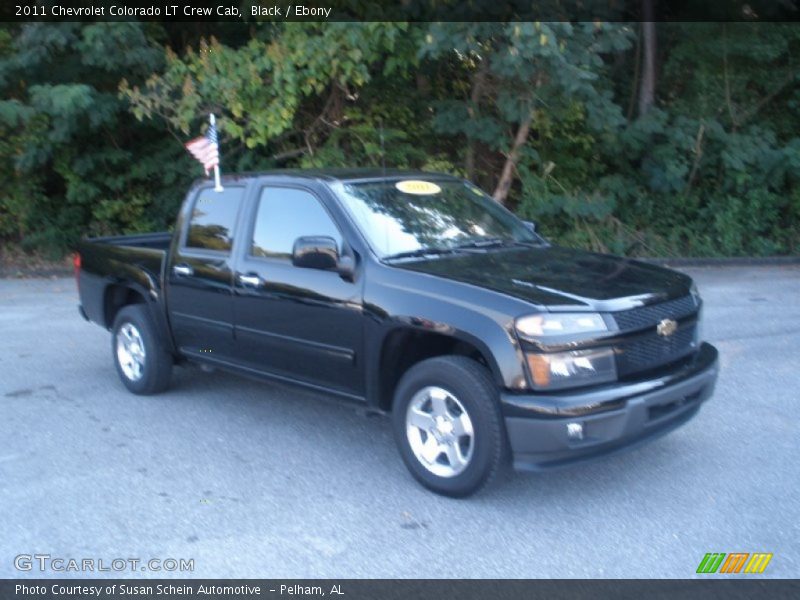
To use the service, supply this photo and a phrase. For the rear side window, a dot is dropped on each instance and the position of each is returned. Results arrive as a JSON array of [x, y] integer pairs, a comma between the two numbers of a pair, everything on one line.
[[213, 219], [285, 214]]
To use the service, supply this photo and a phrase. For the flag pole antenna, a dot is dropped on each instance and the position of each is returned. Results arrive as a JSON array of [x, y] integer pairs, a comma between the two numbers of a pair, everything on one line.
[[217, 184]]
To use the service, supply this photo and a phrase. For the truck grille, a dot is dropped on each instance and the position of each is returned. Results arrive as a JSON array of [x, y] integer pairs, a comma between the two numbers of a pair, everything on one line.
[[651, 350], [644, 316]]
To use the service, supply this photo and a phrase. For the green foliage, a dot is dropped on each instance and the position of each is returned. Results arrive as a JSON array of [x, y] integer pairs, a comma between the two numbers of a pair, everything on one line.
[[93, 117], [259, 89], [76, 161], [712, 171]]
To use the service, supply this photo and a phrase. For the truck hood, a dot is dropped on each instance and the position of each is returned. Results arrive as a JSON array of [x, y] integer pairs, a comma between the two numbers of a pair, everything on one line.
[[560, 278]]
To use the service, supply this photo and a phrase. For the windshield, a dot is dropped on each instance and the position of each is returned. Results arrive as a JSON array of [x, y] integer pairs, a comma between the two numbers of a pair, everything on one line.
[[412, 216]]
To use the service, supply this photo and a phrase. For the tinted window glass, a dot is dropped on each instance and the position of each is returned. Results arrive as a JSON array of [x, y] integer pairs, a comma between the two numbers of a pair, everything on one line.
[[285, 214], [409, 215], [213, 219]]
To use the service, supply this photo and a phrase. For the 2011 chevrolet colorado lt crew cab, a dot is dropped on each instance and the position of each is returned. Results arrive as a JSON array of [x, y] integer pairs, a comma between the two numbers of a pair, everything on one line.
[[417, 295]]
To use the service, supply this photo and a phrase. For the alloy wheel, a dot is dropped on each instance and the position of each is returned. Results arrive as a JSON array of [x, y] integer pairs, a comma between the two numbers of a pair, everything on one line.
[[130, 351], [440, 431]]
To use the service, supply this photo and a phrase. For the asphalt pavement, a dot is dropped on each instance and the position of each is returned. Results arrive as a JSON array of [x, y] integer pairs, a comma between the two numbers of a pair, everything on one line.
[[267, 481]]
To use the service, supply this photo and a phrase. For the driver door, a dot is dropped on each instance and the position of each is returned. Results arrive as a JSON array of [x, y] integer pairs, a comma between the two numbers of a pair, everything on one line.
[[291, 322]]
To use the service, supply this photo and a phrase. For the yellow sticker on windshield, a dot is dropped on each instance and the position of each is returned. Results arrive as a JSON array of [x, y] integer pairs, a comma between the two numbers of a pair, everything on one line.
[[417, 186]]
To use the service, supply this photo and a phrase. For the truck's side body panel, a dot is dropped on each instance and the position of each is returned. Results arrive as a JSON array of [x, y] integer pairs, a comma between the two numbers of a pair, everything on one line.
[[199, 278], [297, 323], [113, 268]]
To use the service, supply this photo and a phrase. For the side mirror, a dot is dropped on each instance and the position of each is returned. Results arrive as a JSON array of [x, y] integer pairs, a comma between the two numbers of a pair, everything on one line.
[[320, 252], [530, 225], [346, 267], [315, 252]]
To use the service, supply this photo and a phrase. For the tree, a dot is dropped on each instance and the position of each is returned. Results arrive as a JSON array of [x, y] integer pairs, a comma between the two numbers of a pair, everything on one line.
[[78, 163], [521, 73], [264, 89], [647, 90], [93, 118]]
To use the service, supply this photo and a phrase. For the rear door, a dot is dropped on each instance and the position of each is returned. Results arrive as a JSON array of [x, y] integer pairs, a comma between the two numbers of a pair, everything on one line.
[[298, 323], [200, 278]]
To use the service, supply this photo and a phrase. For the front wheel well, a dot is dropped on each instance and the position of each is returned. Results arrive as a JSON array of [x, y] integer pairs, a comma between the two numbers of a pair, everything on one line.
[[404, 348]]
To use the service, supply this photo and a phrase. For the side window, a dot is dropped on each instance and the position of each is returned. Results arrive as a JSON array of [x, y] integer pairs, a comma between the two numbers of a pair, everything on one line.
[[213, 219], [285, 214]]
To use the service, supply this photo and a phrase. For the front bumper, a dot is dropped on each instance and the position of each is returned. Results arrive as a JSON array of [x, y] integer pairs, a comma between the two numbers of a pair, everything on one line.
[[614, 418]]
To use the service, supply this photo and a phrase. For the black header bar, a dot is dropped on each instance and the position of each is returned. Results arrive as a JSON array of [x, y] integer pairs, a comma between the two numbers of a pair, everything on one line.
[[248, 11], [405, 589]]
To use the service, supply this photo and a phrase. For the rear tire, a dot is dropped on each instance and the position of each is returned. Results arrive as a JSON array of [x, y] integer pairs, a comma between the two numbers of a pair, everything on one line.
[[447, 424], [142, 362]]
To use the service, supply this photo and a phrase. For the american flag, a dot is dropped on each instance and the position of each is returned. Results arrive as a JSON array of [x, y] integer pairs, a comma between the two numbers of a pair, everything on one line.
[[205, 148]]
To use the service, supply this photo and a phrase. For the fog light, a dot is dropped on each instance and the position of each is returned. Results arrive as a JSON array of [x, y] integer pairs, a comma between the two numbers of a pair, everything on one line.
[[575, 431]]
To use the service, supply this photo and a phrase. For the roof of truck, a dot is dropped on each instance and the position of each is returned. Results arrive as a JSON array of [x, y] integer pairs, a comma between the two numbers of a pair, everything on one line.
[[343, 174]]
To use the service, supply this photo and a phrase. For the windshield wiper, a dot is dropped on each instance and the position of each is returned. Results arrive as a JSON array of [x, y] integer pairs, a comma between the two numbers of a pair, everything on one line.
[[488, 242], [419, 252], [480, 243], [501, 242]]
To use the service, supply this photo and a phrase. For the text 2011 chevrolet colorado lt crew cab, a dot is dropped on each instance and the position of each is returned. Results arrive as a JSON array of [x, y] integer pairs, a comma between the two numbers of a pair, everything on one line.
[[417, 295]]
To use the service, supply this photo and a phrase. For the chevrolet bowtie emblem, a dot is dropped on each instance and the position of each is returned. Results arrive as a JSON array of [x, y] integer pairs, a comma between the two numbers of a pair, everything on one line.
[[666, 327]]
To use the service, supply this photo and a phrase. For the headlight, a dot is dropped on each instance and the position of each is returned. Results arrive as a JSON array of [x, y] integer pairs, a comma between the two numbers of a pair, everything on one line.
[[698, 330], [575, 368], [572, 368], [553, 324], [695, 294]]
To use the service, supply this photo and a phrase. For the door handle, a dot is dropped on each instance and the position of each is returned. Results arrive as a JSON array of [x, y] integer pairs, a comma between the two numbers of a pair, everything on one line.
[[251, 280], [183, 270]]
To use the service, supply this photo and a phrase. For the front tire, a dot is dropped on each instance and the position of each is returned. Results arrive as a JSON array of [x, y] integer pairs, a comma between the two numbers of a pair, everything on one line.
[[142, 362], [448, 426]]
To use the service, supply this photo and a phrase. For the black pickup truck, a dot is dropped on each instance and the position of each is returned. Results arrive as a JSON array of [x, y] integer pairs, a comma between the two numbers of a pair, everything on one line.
[[416, 295]]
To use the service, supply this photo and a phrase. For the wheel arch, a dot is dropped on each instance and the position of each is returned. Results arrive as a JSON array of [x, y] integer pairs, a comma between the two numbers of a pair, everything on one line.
[[405, 346], [115, 297], [118, 295]]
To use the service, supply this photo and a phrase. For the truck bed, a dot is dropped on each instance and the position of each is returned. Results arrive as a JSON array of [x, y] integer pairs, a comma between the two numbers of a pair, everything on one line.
[[135, 261], [155, 241]]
